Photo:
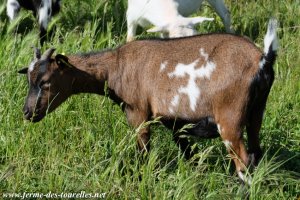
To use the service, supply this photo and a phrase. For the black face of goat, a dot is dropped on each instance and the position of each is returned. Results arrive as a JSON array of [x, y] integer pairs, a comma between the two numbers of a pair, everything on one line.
[[46, 90]]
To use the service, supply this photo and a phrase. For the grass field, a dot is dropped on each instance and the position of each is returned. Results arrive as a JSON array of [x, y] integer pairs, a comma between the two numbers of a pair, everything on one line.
[[86, 144]]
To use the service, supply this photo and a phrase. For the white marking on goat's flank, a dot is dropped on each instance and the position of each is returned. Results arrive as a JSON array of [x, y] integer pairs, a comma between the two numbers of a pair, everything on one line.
[[205, 55], [44, 13], [191, 89], [163, 66], [171, 110], [245, 179], [175, 101]]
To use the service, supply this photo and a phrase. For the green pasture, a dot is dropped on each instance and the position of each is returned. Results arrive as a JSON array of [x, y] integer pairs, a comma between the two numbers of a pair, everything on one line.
[[86, 144]]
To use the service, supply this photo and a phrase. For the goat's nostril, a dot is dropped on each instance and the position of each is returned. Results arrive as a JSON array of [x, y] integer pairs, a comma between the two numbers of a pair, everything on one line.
[[26, 111]]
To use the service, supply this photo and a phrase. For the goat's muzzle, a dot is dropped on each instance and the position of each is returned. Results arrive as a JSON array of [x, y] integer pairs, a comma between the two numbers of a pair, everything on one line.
[[31, 116]]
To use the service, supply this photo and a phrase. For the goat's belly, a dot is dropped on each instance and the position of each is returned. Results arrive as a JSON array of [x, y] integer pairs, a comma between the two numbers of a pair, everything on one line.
[[185, 113], [203, 128], [183, 108]]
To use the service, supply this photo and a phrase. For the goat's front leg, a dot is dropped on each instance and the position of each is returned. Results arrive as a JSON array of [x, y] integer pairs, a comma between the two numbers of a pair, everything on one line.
[[220, 8], [135, 118], [184, 145]]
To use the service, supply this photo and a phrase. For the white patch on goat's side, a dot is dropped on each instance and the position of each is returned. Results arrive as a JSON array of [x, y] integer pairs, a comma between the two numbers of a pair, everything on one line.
[[163, 66], [175, 101], [12, 8], [205, 55], [245, 179], [45, 13], [174, 104], [191, 89], [171, 111]]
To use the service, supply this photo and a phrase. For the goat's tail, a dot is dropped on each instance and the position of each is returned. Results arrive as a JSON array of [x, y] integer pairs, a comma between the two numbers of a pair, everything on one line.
[[270, 46]]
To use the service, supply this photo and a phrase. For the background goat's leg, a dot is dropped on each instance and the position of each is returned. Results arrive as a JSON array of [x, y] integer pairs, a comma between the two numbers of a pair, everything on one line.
[[223, 12]]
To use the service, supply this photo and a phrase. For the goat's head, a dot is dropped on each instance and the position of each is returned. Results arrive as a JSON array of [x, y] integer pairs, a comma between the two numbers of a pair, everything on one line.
[[49, 84], [182, 27]]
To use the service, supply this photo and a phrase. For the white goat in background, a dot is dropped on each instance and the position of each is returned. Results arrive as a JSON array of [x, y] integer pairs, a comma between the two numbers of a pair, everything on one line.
[[169, 16]]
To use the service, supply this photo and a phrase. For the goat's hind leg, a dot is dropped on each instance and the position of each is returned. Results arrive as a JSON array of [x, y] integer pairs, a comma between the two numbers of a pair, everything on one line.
[[253, 128], [231, 134]]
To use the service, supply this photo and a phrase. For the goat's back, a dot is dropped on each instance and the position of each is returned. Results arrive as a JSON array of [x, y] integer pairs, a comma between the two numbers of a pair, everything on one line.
[[187, 77]]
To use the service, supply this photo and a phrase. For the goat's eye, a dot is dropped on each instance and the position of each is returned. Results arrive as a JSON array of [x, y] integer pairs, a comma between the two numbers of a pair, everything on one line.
[[44, 84]]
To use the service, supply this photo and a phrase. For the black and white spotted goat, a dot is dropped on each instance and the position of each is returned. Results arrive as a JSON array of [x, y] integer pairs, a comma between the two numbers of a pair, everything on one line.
[[42, 9]]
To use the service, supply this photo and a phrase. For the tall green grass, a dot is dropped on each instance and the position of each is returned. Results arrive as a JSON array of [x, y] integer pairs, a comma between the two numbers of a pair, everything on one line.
[[86, 144]]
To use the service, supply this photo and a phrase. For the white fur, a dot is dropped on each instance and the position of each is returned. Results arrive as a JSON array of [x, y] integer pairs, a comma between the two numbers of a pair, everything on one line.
[[175, 101], [227, 144], [245, 179], [169, 16], [271, 37], [219, 128], [180, 26], [12, 8], [31, 66], [171, 110], [174, 104], [163, 66], [191, 89], [270, 41], [45, 13]]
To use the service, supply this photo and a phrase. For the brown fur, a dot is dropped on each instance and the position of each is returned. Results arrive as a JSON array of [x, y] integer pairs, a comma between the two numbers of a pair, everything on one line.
[[133, 74]]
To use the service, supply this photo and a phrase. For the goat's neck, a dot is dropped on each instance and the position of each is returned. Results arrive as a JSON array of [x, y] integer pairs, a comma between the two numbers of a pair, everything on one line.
[[91, 71]]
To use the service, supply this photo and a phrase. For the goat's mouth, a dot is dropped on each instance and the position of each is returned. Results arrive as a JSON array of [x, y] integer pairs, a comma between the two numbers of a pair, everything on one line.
[[34, 116]]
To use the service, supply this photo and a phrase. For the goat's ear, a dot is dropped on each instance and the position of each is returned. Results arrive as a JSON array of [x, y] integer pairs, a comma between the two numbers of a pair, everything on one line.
[[23, 71], [62, 61]]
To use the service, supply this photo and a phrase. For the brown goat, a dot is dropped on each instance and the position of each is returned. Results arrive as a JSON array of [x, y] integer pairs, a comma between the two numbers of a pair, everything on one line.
[[220, 82]]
